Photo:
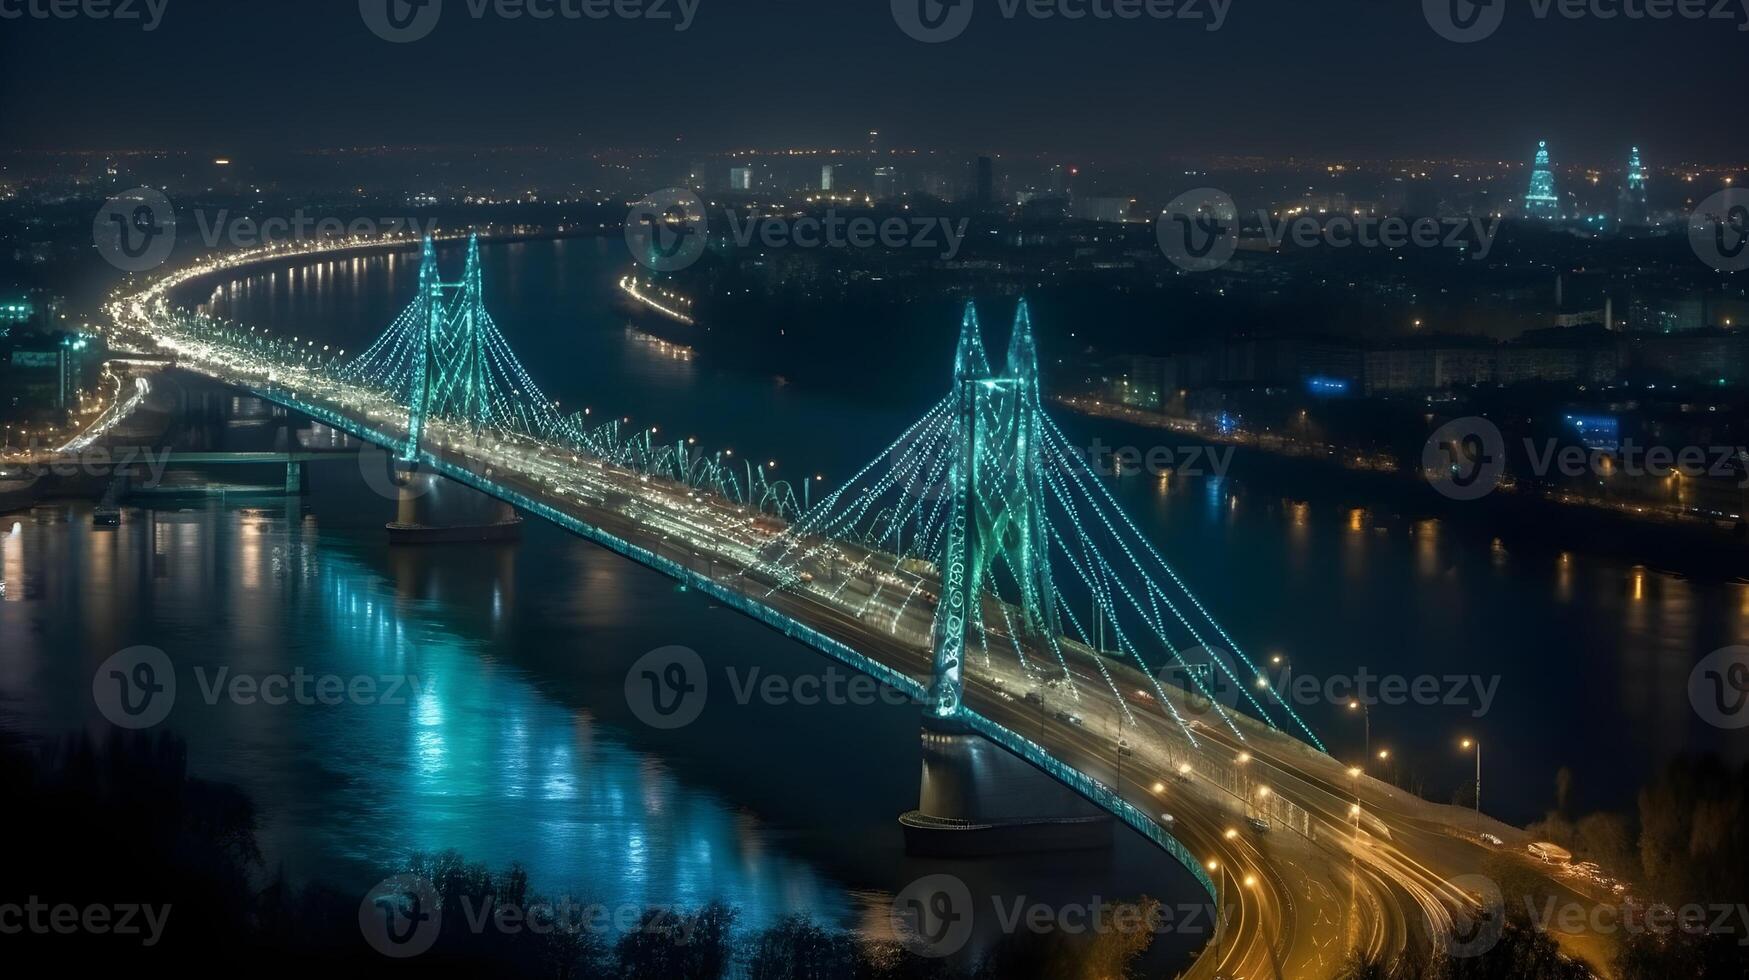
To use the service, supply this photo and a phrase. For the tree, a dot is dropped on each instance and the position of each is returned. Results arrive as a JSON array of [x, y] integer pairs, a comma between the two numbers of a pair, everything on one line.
[[674, 945], [799, 949]]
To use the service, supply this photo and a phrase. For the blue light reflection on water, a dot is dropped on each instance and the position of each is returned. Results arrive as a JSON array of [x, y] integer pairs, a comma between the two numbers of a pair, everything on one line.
[[449, 747]]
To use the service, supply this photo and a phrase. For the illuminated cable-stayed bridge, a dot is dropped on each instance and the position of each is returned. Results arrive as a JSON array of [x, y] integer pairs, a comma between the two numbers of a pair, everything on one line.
[[978, 565]]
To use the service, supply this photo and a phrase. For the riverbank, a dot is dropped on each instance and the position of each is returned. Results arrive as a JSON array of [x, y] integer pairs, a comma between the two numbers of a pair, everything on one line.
[[1680, 545]]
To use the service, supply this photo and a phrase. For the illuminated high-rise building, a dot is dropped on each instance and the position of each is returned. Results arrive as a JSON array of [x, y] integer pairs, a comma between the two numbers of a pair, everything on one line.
[[1633, 210], [1540, 200], [886, 182], [740, 178], [826, 177]]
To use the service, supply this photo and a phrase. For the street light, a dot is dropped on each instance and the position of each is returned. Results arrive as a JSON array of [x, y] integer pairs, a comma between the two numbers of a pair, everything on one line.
[[1468, 744], [1385, 756], [1366, 720], [1221, 903]]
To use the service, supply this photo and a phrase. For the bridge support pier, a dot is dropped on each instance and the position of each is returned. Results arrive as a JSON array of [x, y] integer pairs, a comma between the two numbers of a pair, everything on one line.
[[432, 510], [979, 800], [297, 482]]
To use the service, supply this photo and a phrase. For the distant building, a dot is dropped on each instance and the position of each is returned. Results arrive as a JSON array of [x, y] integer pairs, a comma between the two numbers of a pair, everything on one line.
[[1107, 209], [741, 178], [1429, 366], [1540, 200], [15, 312], [1703, 356], [34, 309], [44, 372], [886, 182], [826, 177], [1633, 212], [1666, 312]]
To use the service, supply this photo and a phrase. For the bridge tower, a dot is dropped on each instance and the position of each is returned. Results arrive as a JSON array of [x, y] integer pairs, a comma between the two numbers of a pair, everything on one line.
[[976, 798], [450, 380], [996, 483], [450, 365]]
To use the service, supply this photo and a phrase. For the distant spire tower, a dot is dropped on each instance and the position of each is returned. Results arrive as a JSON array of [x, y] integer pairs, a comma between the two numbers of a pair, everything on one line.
[[1633, 209], [1540, 201]]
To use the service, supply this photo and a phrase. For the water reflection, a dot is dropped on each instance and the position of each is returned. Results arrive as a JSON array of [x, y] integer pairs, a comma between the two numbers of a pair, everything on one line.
[[472, 755]]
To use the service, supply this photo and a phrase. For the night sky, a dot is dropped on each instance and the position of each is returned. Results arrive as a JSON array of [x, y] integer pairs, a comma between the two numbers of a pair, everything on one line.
[[1321, 78]]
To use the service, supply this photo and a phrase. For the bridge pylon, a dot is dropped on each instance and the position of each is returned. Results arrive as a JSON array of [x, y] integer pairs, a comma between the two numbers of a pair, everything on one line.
[[996, 487], [451, 361], [976, 798]]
